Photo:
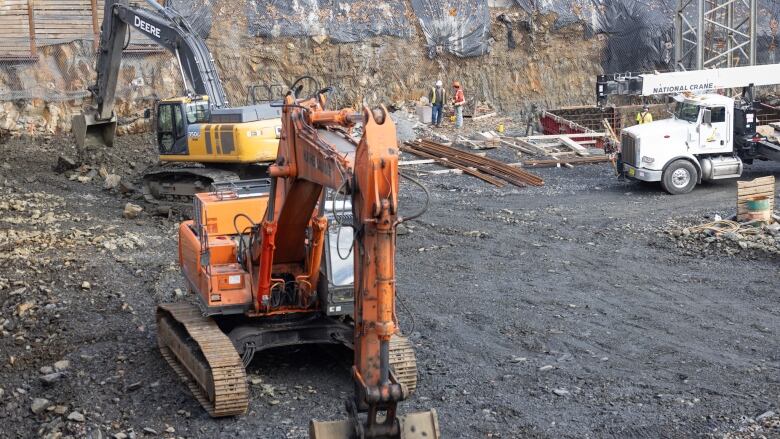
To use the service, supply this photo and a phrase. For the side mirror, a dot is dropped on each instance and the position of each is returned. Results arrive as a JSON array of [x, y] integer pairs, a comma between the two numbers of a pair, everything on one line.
[[706, 117], [147, 113]]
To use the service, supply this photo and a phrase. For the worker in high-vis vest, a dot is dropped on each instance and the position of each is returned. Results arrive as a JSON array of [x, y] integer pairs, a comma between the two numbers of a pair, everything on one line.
[[437, 98], [644, 116]]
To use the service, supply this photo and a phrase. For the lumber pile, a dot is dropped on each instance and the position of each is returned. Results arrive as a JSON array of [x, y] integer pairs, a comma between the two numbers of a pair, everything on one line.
[[486, 169]]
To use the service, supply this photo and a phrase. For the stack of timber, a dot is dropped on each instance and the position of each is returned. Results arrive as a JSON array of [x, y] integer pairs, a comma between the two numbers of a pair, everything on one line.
[[489, 170], [562, 149], [557, 149]]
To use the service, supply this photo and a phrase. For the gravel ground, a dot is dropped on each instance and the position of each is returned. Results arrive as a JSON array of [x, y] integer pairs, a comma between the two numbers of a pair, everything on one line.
[[566, 311]]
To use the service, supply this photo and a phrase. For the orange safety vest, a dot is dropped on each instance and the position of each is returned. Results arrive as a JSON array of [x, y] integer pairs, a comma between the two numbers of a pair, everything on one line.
[[460, 98]]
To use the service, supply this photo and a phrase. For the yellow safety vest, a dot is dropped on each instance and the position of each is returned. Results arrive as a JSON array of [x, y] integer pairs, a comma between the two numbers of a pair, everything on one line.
[[645, 117], [443, 96]]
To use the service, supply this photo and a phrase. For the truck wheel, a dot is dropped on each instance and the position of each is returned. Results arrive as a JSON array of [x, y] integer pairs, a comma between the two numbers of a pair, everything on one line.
[[680, 177]]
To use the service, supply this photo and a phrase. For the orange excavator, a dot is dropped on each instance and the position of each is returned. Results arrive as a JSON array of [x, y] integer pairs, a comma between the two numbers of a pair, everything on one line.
[[269, 267]]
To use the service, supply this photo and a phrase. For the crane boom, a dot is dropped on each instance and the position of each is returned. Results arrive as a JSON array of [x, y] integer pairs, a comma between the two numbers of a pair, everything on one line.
[[696, 81]]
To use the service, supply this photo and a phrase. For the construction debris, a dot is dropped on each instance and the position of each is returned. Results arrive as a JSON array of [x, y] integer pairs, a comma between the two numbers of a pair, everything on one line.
[[481, 167], [753, 239]]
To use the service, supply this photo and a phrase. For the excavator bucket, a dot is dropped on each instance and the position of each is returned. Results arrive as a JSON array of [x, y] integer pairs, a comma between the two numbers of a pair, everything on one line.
[[419, 425], [90, 131]]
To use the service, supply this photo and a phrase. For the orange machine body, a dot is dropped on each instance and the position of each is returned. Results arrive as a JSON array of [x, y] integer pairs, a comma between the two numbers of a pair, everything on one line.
[[209, 249]]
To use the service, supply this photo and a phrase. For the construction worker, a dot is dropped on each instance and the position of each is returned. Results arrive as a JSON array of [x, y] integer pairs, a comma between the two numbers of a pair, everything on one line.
[[437, 99], [644, 116], [458, 101]]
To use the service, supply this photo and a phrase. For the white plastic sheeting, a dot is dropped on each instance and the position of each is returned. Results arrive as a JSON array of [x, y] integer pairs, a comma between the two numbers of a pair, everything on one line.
[[460, 27]]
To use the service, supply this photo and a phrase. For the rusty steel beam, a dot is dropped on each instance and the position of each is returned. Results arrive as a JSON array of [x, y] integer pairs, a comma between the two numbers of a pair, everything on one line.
[[517, 177], [444, 162]]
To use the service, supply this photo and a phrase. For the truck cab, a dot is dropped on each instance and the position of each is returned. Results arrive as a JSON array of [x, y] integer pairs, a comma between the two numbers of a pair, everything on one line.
[[696, 144]]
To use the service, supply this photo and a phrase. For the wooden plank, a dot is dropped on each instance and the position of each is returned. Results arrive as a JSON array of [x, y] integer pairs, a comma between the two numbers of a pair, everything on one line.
[[518, 147], [574, 146], [484, 116], [761, 181], [17, 32], [764, 190], [558, 136], [536, 149], [415, 162]]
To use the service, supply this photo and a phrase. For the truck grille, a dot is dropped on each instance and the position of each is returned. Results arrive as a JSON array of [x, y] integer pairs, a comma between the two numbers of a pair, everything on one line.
[[629, 150]]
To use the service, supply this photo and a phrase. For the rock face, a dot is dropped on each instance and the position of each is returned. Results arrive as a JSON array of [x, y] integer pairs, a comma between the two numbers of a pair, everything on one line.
[[548, 66]]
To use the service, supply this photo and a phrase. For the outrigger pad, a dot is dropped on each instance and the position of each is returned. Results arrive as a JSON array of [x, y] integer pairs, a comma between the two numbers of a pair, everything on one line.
[[419, 425], [89, 131]]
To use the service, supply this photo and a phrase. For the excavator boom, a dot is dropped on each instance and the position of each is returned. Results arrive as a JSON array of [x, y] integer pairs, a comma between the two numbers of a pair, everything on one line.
[[304, 167]]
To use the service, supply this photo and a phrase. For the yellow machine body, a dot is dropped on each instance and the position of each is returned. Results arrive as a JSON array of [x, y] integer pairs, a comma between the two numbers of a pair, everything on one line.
[[188, 131], [249, 142]]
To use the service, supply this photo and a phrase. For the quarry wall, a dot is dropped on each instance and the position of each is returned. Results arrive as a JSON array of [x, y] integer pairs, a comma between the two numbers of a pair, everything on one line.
[[509, 53], [550, 67]]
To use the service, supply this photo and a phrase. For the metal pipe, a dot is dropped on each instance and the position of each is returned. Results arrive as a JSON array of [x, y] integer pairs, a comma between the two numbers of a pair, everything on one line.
[[678, 33], [730, 35], [181, 69], [156, 5], [700, 34], [753, 31]]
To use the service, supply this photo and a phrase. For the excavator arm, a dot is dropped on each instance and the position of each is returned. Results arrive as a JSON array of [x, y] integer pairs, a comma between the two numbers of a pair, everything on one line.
[[170, 30], [316, 152]]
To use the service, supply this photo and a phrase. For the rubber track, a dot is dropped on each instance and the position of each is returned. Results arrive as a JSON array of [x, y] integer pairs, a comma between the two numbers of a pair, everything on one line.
[[228, 376]]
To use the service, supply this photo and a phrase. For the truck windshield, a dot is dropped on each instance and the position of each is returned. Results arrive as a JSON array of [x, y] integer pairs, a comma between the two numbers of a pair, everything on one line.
[[687, 111], [198, 112]]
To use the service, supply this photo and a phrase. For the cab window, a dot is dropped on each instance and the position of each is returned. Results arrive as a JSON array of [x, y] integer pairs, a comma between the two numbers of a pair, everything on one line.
[[165, 127], [718, 114], [197, 112], [687, 111], [179, 118], [165, 120]]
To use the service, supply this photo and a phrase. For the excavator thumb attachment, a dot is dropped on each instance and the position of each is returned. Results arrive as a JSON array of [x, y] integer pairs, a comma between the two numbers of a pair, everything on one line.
[[419, 425], [90, 131]]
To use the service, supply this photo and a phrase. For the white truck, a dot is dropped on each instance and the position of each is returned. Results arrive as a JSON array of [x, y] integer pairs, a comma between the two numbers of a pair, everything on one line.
[[709, 136]]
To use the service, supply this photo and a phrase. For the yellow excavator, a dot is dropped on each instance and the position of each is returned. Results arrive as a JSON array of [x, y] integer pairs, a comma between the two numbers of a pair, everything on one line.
[[203, 142]]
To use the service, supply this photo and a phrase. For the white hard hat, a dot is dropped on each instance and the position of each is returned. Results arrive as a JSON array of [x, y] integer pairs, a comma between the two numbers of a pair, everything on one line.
[[439, 83]]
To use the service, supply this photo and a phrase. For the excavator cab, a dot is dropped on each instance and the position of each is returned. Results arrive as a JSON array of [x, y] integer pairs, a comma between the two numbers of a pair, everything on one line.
[[176, 118]]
